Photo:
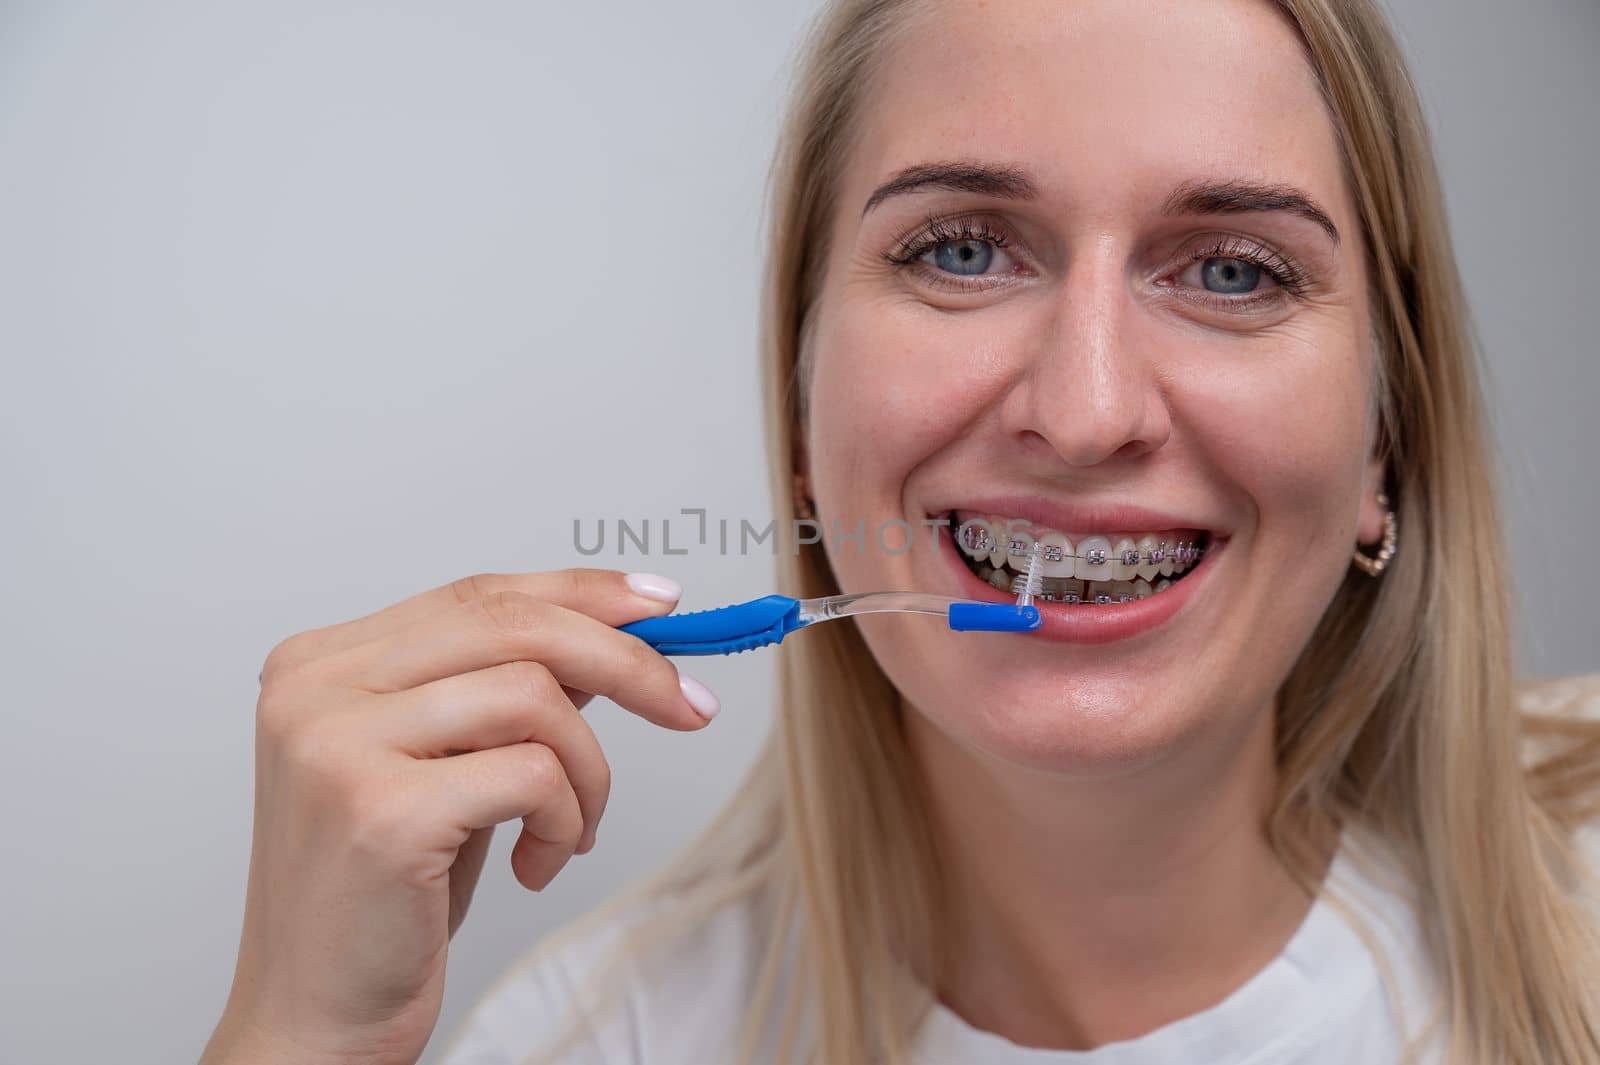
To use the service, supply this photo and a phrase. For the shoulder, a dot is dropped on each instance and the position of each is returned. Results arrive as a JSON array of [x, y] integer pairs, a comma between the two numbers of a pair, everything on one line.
[[1575, 697], [1560, 723], [1562, 748], [656, 981]]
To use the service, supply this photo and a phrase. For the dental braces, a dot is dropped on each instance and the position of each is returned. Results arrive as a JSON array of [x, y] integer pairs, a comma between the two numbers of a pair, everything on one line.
[[1049, 595], [1030, 585], [1183, 553], [1074, 599]]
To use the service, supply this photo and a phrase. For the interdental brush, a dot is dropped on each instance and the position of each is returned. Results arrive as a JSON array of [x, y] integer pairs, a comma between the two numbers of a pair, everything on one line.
[[761, 622]]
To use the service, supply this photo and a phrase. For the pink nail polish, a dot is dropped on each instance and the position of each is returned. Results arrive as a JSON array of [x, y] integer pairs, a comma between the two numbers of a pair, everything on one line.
[[699, 696], [655, 586]]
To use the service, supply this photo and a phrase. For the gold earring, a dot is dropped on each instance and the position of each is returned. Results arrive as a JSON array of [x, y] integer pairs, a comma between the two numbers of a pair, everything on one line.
[[803, 508], [1374, 566]]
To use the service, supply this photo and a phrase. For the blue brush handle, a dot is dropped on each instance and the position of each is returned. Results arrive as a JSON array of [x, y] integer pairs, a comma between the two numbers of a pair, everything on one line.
[[723, 630], [993, 617]]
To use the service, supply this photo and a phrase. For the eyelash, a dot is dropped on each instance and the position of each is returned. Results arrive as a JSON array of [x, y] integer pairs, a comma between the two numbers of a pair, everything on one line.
[[1285, 272], [935, 232], [1288, 275]]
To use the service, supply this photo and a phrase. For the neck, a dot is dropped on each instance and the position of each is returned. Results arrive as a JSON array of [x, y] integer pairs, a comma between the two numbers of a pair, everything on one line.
[[1085, 910]]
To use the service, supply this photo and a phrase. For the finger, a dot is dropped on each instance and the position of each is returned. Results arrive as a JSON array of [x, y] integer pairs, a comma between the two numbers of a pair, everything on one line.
[[514, 702], [610, 596], [581, 652], [524, 780]]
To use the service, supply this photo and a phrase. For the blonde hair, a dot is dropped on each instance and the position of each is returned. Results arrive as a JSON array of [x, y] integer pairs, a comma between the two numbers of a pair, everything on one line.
[[1400, 714]]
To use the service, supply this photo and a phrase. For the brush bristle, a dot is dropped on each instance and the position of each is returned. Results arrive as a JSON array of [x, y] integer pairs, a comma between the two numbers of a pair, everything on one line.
[[1027, 585]]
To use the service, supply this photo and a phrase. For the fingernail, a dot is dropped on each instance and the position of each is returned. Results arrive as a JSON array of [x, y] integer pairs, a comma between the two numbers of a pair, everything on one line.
[[699, 696], [655, 586]]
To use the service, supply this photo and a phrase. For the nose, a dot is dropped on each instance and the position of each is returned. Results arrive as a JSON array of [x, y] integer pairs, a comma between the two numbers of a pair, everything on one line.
[[1090, 391]]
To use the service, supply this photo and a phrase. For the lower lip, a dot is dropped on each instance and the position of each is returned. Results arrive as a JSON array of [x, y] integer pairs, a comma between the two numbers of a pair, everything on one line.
[[1092, 622]]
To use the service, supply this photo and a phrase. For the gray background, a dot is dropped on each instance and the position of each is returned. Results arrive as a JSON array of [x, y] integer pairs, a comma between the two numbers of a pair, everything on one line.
[[310, 307]]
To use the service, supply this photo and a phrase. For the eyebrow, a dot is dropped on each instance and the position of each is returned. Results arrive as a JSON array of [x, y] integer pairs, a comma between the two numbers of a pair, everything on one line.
[[1232, 197], [1192, 197], [1005, 182]]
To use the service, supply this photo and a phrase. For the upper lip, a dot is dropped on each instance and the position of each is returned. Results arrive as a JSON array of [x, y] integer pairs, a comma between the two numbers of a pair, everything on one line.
[[1085, 518]]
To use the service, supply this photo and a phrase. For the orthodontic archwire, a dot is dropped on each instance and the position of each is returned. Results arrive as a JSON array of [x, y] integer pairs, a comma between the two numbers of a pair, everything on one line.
[[1184, 552], [762, 622]]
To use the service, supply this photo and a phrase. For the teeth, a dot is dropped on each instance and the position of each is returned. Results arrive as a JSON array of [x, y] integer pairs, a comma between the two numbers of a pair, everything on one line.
[[1020, 548], [1094, 559], [1113, 568], [1124, 559], [1058, 567], [1147, 547], [1065, 590], [997, 542], [1001, 541], [974, 538]]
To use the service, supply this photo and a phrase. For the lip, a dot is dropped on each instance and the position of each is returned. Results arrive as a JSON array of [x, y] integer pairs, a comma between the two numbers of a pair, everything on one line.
[[1079, 519], [1091, 623]]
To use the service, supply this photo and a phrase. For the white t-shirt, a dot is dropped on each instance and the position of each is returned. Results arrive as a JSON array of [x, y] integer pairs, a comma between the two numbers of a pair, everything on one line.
[[1328, 998], [1324, 1000]]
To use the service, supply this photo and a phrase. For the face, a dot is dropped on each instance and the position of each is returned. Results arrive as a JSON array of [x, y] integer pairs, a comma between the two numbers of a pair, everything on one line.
[[1124, 318]]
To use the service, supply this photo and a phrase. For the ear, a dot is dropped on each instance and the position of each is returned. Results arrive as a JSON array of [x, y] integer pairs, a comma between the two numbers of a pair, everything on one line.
[[1369, 523]]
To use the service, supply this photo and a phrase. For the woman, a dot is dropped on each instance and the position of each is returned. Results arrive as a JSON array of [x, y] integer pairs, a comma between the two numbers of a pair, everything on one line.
[[1166, 275]]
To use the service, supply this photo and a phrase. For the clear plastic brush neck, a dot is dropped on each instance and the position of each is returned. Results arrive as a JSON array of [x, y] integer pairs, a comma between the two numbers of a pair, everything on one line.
[[843, 606]]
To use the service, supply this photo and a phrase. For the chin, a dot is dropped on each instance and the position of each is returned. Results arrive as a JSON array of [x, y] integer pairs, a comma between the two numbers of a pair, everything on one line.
[[1092, 722]]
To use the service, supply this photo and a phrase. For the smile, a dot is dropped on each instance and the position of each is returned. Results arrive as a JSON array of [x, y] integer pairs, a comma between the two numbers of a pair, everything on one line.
[[1093, 568]]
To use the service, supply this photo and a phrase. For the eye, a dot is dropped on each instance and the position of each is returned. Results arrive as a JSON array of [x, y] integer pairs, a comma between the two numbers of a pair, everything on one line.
[[1229, 276], [954, 253], [969, 258], [1233, 273]]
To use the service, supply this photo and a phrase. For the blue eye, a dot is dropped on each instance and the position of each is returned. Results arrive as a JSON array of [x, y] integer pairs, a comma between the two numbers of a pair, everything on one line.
[[1230, 276], [969, 258], [1235, 273], [950, 252]]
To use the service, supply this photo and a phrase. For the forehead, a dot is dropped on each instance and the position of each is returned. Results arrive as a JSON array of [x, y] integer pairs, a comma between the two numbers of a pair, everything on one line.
[[1107, 102]]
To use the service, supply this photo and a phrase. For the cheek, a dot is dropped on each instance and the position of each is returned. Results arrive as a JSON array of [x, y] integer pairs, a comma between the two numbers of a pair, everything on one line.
[[891, 384], [1288, 428]]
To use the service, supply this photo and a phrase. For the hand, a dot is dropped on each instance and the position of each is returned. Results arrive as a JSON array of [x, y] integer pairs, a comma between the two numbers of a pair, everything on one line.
[[387, 749]]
